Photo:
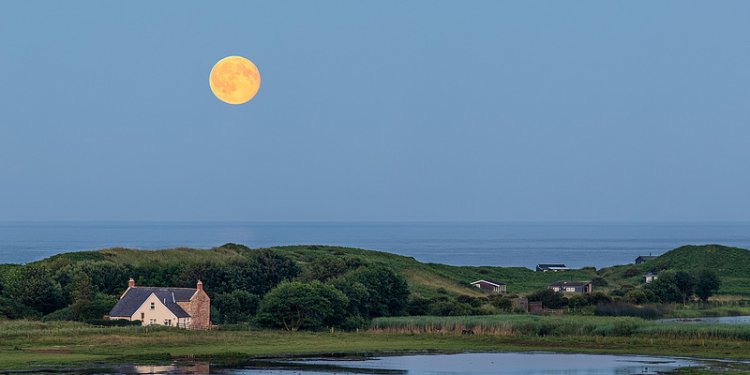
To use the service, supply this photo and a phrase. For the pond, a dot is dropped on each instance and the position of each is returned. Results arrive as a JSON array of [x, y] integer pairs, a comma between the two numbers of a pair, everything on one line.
[[443, 364], [712, 319]]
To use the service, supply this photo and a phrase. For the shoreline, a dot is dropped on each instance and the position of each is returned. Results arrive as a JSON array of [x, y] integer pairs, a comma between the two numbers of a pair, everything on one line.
[[46, 348]]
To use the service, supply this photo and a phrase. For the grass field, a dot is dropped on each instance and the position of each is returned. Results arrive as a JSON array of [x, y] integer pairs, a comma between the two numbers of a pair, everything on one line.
[[27, 344]]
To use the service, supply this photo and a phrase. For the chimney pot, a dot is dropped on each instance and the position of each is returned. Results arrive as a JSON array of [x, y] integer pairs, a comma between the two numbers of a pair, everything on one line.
[[199, 286], [131, 283]]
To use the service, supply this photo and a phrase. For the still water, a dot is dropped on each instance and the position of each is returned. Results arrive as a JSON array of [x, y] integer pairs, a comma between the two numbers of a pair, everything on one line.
[[536, 363], [713, 319]]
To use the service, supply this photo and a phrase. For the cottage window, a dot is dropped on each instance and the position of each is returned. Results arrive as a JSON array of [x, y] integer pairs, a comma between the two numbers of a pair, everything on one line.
[[153, 305], [143, 317]]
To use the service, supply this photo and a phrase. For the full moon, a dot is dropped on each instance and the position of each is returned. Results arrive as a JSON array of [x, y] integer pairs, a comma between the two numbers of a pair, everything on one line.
[[234, 80]]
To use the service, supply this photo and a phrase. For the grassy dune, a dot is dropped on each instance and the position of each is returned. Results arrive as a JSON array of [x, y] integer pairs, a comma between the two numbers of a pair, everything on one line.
[[430, 279]]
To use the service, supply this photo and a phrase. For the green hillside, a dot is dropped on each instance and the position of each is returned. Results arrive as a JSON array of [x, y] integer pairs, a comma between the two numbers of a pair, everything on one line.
[[431, 279], [730, 263]]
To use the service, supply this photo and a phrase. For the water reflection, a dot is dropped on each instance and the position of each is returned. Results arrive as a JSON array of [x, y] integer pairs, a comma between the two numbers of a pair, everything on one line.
[[442, 364], [481, 363], [181, 368]]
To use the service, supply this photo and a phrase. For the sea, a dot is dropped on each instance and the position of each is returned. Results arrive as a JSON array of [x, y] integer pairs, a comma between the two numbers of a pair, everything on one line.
[[493, 244]]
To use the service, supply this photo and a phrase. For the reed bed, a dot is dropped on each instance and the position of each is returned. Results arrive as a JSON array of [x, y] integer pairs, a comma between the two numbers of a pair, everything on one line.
[[530, 325]]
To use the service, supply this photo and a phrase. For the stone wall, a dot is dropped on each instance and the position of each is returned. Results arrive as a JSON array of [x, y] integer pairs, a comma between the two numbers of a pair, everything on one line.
[[200, 310]]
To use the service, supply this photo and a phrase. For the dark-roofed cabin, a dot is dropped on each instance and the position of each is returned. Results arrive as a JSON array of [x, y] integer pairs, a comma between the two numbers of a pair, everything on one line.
[[644, 258], [572, 286], [492, 286], [554, 267], [175, 307]]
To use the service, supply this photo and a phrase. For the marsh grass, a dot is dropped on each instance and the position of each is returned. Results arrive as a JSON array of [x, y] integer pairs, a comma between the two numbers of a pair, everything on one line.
[[530, 325], [30, 344]]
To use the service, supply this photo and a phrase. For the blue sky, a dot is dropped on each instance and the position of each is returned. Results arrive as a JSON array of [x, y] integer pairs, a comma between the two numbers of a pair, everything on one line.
[[377, 110]]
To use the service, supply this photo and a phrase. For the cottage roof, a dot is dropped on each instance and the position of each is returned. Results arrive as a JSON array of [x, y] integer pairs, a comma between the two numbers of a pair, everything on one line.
[[646, 257], [551, 266], [134, 298], [570, 283], [495, 283], [651, 274]]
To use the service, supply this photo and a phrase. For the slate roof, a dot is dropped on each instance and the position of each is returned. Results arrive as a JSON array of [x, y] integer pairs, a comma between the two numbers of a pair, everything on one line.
[[645, 258], [134, 298], [550, 267], [488, 281], [570, 283]]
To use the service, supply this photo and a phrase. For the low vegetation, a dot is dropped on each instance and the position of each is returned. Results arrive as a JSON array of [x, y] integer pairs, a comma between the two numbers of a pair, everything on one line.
[[267, 287], [558, 326], [33, 344]]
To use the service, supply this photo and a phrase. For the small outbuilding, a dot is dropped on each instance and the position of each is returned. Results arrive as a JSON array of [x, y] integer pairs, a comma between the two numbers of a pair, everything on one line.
[[554, 267], [649, 277], [492, 286], [520, 304], [580, 287], [644, 258]]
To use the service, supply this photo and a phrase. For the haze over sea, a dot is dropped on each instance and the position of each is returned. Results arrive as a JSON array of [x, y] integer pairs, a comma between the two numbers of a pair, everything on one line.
[[496, 244]]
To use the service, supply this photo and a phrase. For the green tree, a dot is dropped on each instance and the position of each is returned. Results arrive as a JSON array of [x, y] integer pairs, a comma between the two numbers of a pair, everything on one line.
[[388, 292], [357, 294], [324, 267], [665, 288], [34, 286], [293, 305], [82, 292], [636, 296], [707, 284], [685, 283], [236, 307]]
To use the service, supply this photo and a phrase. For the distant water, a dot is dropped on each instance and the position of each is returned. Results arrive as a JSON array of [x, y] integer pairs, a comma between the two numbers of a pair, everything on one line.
[[494, 244]]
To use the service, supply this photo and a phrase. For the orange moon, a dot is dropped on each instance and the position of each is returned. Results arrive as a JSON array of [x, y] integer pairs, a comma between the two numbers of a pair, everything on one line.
[[234, 80]]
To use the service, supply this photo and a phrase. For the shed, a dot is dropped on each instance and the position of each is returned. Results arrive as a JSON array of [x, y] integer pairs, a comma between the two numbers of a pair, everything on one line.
[[644, 258], [492, 286], [580, 287], [554, 267], [649, 277]]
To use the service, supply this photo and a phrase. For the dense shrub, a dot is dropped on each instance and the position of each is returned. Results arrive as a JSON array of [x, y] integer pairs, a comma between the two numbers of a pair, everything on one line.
[[235, 307], [34, 286], [631, 272], [449, 308], [626, 309], [471, 301], [387, 292], [549, 298], [295, 305], [503, 304], [113, 323], [418, 306], [599, 281]]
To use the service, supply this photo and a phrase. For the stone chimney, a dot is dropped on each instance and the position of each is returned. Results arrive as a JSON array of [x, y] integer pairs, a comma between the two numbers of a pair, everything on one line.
[[131, 283], [199, 286]]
